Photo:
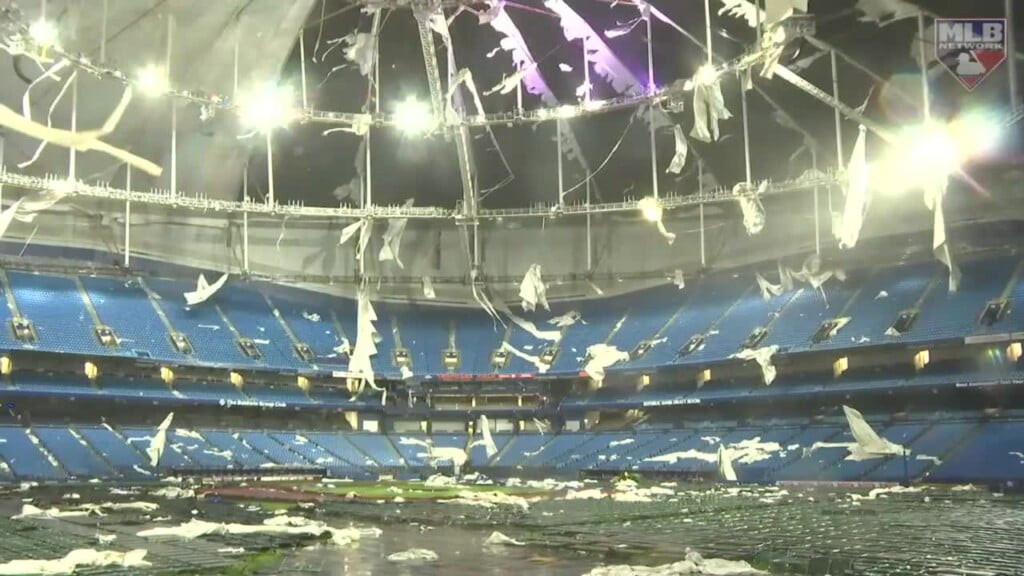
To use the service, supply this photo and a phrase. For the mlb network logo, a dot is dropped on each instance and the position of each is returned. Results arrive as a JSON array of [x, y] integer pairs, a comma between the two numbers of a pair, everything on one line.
[[970, 48]]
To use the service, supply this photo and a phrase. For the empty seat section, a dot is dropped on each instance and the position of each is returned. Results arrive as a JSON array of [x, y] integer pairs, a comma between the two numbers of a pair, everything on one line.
[[855, 470], [813, 460], [76, 458], [338, 444], [707, 302], [477, 335], [478, 453], [211, 340], [995, 453], [277, 452], [128, 460], [201, 453], [124, 306], [935, 442], [376, 446], [312, 324], [25, 460], [242, 453], [55, 307], [248, 310], [802, 317], [528, 344], [598, 446], [648, 311], [411, 448], [424, 332], [556, 451], [598, 320], [946, 315], [750, 312], [314, 453], [521, 446], [883, 296]]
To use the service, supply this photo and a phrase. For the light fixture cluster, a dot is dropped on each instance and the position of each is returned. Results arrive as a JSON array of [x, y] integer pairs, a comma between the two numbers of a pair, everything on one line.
[[270, 107]]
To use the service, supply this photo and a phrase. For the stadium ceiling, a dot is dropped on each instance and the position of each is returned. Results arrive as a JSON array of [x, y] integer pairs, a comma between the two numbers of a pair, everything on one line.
[[599, 117]]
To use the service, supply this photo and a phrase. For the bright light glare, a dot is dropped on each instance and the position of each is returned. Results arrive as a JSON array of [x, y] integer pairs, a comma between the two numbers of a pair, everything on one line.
[[267, 108], [414, 118], [152, 81], [929, 153], [931, 149], [978, 132], [650, 208], [567, 111], [705, 75], [43, 33]]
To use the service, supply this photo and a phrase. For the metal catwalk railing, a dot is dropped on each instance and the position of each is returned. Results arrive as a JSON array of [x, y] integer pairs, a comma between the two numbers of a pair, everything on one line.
[[204, 204]]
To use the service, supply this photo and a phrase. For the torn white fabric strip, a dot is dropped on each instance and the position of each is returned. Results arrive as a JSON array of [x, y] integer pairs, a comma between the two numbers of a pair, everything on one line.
[[349, 231], [49, 117], [48, 74], [535, 360], [940, 246], [37, 202], [852, 218], [393, 238], [725, 469], [7, 217], [751, 206], [669, 237], [81, 141], [159, 441], [682, 148], [532, 290]]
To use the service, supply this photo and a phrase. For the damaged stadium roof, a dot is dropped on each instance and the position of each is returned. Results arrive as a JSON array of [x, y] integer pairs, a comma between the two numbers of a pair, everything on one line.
[[517, 163]]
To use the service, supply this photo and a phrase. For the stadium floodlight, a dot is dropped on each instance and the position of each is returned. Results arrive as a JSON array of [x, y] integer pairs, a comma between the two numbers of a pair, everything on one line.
[[650, 208], [43, 33], [934, 151], [414, 118], [267, 108], [152, 80]]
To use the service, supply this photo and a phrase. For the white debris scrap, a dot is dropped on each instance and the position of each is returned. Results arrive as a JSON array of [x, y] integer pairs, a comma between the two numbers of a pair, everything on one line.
[[763, 357], [276, 525], [414, 555], [600, 357], [532, 290], [75, 559], [693, 564], [565, 320], [499, 539], [204, 290], [159, 440], [488, 500], [725, 469], [173, 493]]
